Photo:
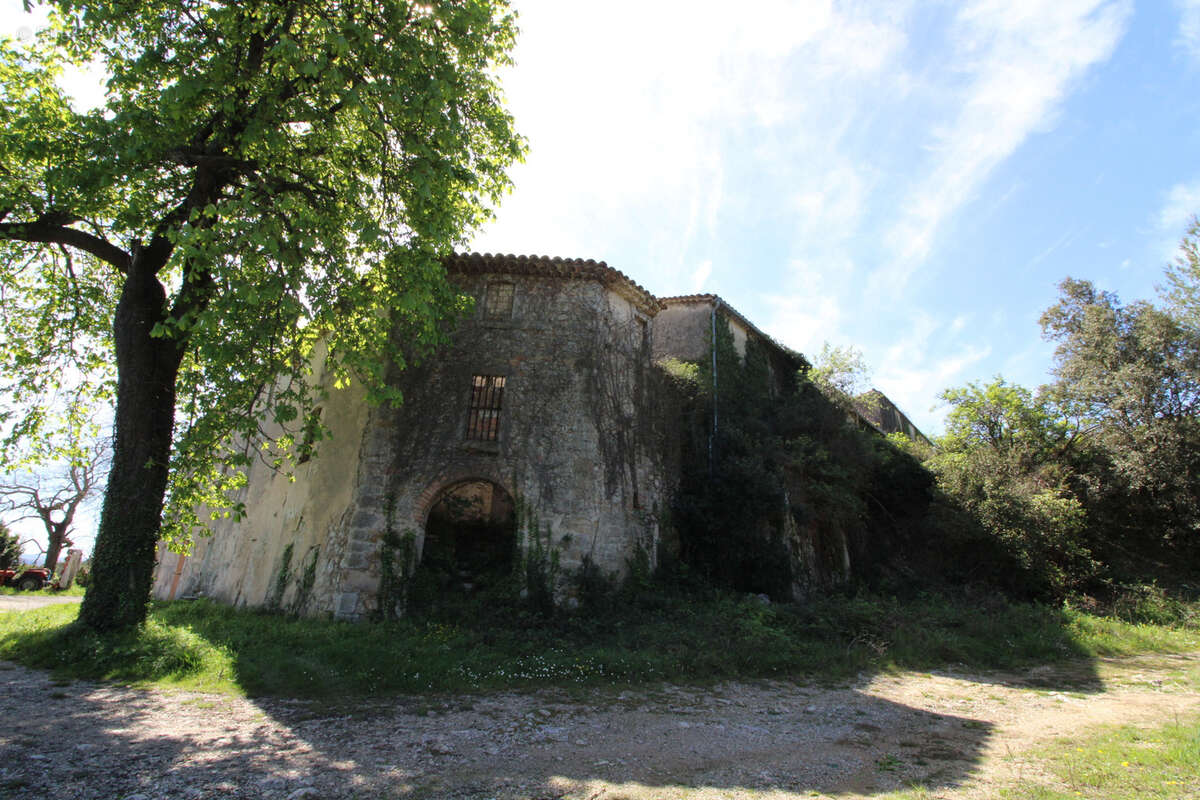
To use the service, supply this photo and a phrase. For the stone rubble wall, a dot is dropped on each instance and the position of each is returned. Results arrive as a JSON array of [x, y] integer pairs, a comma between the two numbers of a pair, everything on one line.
[[238, 562], [569, 451], [577, 450]]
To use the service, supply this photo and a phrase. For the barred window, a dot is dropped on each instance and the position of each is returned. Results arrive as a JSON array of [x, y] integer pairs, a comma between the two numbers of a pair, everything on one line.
[[499, 301], [487, 396]]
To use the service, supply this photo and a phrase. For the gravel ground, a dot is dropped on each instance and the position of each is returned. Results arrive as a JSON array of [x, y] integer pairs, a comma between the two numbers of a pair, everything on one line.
[[961, 735]]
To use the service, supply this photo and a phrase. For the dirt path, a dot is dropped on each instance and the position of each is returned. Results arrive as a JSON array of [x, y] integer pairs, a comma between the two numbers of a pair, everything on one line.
[[26, 602], [961, 735]]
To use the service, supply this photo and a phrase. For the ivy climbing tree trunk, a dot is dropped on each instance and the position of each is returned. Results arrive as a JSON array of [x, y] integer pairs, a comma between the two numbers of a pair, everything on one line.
[[130, 521]]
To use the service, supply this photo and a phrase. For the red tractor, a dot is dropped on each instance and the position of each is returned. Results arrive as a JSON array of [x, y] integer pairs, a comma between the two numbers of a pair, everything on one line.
[[27, 580]]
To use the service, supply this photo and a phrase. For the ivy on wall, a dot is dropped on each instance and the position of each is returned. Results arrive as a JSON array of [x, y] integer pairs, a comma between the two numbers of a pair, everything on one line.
[[781, 492]]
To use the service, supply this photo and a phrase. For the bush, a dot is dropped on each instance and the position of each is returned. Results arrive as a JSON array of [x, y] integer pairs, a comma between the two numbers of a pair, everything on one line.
[[10, 548]]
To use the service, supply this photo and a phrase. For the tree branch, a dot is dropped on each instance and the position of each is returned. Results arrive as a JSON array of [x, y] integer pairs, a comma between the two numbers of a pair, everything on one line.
[[53, 229]]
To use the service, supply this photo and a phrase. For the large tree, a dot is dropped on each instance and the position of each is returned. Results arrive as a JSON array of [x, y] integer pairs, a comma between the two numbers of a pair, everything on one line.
[[1132, 371], [261, 176]]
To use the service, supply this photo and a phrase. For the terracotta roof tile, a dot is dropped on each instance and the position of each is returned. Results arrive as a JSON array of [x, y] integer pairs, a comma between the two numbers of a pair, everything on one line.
[[556, 267]]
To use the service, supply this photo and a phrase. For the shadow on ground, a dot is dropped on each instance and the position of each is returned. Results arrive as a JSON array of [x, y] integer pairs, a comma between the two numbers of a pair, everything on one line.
[[86, 740]]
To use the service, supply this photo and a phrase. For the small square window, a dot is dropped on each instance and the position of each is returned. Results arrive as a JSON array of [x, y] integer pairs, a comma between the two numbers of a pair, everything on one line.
[[499, 301], [483, 418]]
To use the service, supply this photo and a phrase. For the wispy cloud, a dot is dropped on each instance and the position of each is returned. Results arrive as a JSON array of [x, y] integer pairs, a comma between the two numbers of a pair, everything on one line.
[[700, 275], [1182, 202], [804, 320], [922, 364], [648, 111], [1189, 28], [1018, 61]]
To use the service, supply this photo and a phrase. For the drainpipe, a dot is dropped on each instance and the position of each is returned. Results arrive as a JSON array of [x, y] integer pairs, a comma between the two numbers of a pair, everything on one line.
[[713, 433]]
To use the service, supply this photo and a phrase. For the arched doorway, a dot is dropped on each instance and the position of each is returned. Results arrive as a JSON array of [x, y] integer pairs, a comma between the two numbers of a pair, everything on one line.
[[470, 545]]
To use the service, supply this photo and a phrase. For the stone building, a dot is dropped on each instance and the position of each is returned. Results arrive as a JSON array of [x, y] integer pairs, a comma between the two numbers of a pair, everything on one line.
[[538, 408], [538, 425]]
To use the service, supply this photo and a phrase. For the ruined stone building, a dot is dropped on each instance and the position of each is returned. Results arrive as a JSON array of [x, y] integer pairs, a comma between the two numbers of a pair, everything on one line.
[[537, 425]]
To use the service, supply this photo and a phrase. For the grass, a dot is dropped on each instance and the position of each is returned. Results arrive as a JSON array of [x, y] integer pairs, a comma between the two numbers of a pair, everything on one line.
[[1122, 763], [74, 590], [646, 637]]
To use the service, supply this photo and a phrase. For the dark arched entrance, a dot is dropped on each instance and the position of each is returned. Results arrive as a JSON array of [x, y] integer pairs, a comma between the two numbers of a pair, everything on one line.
[[470, 545]]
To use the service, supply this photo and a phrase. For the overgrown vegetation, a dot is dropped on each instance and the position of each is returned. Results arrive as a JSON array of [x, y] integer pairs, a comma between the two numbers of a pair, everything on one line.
[[785, 491], [648, 632], [1087, 487], [1091, 482], [10, 548]]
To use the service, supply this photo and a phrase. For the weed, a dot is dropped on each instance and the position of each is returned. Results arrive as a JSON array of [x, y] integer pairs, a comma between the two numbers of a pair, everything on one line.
[[1122, 763], [650, 635]]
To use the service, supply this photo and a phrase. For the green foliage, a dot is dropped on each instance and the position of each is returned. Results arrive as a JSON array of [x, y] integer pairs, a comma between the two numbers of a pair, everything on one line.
[[653, 634], [10, 548], [999, 462], [260, 181], [397, 563], [1182, 290], [283, 576], [786, 488], [1131, 375], [1003, 417], [730, 508], [538, 564], [1094, 479], [596, 591], [683, 372], [841, 374]]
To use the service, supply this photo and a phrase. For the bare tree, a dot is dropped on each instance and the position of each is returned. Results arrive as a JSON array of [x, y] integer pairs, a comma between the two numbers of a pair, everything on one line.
[[56, 496]]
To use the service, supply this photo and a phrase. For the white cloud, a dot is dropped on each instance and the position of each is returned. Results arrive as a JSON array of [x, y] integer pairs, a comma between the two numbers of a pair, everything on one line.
[[637, 110], [1189, 28], [910, 375], [803, 321], [700, 275], [1020, 59], [1181, 204], [15, 22]]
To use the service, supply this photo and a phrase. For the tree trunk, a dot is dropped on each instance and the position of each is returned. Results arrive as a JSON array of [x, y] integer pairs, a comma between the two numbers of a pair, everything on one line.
[[57, 535], [130, 521]]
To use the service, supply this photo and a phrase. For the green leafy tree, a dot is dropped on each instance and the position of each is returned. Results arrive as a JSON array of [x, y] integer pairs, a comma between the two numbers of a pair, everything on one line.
[[262, 177], [1182, 289], [10, 548], [1004, 461], [1133, 373], [1005, 418], [841, 374]]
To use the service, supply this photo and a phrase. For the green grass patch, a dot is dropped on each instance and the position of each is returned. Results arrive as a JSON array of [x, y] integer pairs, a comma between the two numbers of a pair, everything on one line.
[[1122, 763], [74, 590], [639, 637]]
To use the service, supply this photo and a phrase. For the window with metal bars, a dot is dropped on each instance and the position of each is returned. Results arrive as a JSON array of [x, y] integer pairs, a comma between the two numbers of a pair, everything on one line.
[[487, 397]]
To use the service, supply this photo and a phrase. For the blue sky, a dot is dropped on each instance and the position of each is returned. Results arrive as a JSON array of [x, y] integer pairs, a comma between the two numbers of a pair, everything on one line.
[[912, 179], [909, 178]]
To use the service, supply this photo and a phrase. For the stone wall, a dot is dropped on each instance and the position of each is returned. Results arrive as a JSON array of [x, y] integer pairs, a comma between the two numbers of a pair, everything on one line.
[[575, 446], [238, 562]]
